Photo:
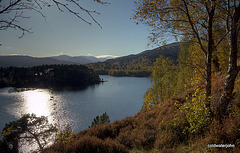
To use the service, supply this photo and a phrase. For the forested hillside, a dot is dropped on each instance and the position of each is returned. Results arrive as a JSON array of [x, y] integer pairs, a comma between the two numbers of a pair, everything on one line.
[[48, 76], [136, 65]]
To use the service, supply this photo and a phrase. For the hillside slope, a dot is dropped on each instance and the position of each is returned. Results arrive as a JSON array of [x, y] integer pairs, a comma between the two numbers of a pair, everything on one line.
[[162, 129], [136, 65]]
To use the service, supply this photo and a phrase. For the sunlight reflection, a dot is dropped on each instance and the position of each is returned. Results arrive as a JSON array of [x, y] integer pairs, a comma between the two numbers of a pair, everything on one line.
[[37, 102]]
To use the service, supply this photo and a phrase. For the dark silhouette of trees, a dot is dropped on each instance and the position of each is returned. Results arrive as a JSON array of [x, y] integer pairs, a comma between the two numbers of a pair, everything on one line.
[[29, 129], [48, 76]]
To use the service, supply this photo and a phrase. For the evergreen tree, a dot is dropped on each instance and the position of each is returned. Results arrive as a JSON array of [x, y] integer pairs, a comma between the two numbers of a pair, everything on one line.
[[104, 118]]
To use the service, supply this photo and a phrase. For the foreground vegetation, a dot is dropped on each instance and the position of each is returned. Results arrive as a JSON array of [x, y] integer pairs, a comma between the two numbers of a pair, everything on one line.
[[35, 133]]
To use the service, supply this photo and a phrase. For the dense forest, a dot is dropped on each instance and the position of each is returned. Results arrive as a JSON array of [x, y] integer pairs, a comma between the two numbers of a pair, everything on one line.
[[136, 65], [48, 76]]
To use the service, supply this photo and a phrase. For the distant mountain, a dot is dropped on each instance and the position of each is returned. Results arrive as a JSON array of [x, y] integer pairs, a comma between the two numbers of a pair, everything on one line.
[[28, 61], [94, 59], [170, 51], [103, 58], [77, 59], [136, 64]]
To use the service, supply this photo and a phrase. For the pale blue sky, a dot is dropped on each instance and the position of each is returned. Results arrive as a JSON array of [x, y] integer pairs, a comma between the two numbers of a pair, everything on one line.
[[63, 33]]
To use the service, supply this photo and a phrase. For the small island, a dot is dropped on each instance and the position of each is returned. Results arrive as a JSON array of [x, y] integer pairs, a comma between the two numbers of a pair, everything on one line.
[[48, 76]]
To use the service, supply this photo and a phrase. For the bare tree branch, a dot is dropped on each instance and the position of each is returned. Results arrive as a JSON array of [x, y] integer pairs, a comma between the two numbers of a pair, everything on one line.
[[12, 12], [193, 27]]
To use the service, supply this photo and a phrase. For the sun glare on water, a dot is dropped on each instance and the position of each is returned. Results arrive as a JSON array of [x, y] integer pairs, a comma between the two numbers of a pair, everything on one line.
[[37, 102]]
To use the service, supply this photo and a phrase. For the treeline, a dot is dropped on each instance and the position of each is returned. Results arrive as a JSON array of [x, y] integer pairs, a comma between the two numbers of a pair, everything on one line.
[[135, 68], [48, 76], [135, 65]]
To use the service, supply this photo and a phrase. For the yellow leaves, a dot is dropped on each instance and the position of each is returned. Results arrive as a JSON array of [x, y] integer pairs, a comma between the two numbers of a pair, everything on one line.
[[194, 99], [196, 112], [3, 133], [177, 104], [6, 131], [155, 3]]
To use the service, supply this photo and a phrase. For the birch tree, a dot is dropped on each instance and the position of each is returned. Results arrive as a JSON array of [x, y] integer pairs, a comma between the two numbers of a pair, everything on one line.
[[197, 20]]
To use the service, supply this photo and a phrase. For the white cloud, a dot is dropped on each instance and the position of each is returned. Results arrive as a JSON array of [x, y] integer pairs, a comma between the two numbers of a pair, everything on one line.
[[89, 54], [107, 56], [15, 55]]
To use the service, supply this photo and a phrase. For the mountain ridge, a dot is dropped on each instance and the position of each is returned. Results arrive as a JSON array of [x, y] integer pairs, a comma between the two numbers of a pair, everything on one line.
[[135, 61], [29, 61], [136, 64]]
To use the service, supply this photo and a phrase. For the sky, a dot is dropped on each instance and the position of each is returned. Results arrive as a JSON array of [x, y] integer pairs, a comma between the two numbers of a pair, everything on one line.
[[64, 34]]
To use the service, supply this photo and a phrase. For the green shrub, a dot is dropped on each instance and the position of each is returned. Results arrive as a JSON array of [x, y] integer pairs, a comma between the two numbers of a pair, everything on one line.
[[104, 118]]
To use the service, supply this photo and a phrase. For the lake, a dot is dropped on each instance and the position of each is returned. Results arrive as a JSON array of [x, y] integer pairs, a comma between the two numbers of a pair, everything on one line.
[[119, 97]]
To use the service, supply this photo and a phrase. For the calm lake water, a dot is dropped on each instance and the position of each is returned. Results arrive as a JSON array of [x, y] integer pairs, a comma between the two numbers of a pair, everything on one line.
[[119, 97]]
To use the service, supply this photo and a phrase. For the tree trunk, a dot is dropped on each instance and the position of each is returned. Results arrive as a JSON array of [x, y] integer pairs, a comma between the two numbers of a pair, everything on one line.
[[37, 139], [227, 94], [208, 58], [15, 145], [216, 61], [208, 85]]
